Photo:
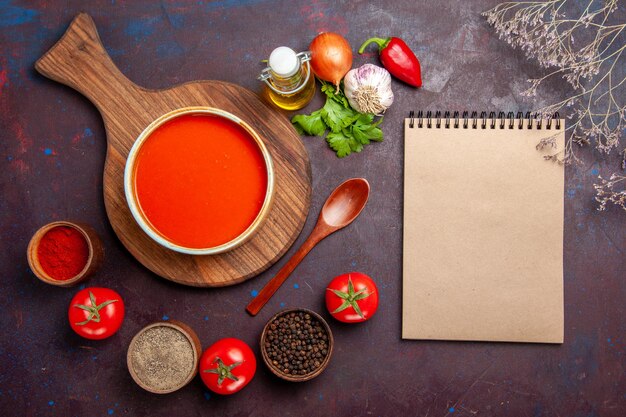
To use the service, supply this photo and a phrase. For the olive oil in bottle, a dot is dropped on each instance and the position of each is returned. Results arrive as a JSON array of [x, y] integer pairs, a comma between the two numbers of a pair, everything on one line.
[[289, 81]]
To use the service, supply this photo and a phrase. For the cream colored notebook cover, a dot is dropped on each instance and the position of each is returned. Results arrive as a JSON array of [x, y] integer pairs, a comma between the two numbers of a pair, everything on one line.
[[483, 234]]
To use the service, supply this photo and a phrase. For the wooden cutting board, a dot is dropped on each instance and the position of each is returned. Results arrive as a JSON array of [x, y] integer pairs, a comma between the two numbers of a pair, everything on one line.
[[80, 61]]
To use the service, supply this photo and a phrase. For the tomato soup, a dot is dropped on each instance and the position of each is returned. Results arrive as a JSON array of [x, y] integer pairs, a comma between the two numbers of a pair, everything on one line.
[[200, 180]]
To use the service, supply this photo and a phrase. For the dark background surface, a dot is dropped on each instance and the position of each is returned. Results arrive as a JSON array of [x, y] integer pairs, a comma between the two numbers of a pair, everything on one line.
[[52, 150]]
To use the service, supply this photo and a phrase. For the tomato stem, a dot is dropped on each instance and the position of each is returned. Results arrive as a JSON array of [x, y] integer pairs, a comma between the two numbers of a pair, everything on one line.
[[223, 371], [350, 298], [93, 309]]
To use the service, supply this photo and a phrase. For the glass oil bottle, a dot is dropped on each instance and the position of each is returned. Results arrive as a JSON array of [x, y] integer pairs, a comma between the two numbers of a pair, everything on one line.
[[289, 81]]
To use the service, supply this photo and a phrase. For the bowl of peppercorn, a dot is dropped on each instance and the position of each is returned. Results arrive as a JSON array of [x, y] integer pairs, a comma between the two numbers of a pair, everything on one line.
[[296, 344]]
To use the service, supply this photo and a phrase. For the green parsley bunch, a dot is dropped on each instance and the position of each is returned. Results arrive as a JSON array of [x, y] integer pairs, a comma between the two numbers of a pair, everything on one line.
[[348, 130]]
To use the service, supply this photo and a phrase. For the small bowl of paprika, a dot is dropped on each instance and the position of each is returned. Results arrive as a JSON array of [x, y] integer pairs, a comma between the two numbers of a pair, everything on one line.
[[64, 253]]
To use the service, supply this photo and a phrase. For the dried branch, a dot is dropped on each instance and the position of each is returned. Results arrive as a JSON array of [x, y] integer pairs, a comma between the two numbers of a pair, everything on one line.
[[588, 52], [612, 190]]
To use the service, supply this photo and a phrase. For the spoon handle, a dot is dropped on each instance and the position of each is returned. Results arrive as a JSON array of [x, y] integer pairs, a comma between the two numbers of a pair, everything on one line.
[[274, 284]]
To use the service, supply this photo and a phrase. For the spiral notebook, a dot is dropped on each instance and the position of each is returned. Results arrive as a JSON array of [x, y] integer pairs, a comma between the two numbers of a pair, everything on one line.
[[483, 229]]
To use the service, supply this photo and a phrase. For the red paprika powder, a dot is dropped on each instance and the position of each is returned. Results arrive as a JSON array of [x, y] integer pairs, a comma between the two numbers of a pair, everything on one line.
[[63, 252]]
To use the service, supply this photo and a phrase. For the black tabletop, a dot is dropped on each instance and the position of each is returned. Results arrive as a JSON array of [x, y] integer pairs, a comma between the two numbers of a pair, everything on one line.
[[51, 160]]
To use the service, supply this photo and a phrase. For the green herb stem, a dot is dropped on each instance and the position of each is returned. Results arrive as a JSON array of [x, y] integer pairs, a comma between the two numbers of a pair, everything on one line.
[[348, 130]]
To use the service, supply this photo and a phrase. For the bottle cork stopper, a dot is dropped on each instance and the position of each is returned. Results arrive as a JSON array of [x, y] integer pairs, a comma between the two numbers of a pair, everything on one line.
[[284, 62]]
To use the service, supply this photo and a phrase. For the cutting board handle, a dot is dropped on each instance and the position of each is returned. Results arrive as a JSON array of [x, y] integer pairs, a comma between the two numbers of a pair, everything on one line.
[[80, 61]]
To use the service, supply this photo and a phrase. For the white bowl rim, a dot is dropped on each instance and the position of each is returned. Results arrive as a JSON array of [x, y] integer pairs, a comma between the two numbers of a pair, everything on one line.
[[129, 184]]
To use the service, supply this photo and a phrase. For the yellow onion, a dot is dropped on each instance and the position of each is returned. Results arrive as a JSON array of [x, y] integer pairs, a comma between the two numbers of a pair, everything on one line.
[[331, 57]]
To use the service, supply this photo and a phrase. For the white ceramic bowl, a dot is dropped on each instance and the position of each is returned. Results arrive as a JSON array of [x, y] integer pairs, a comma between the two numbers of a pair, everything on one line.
[[140, 218]]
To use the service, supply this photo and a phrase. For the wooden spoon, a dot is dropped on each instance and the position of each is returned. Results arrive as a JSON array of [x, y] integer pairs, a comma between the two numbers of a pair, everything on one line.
[[341, 208]]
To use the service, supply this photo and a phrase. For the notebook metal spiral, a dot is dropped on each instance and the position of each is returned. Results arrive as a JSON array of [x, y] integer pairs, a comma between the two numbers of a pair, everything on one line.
[[456, 118]]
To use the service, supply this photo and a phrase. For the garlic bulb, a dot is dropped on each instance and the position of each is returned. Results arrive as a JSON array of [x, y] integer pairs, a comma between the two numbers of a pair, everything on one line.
[[368, 89]]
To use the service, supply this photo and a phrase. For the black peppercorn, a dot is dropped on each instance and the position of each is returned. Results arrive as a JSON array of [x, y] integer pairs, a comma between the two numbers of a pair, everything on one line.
[[296, 343]]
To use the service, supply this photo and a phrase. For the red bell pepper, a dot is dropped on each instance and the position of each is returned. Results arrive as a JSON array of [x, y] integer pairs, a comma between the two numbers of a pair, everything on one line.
[[398, 59]]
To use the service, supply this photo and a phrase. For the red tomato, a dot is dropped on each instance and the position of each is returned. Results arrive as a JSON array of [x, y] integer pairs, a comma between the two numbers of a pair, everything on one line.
[[352, 297], [227, 366], [96, 313]]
